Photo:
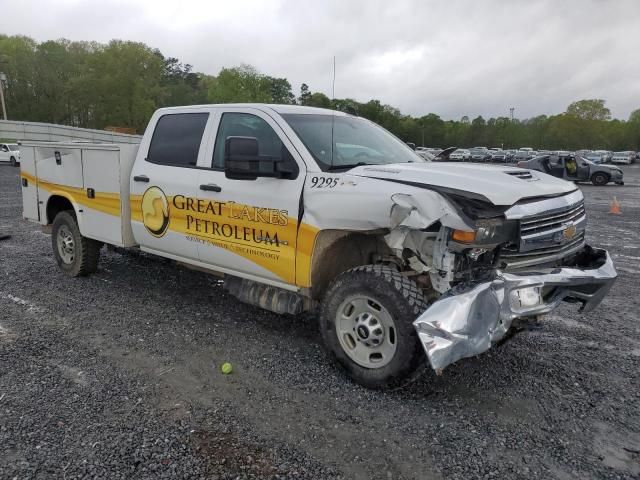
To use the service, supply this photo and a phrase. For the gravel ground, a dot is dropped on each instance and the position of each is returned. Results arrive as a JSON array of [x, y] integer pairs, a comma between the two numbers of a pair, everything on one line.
[[117, 376]]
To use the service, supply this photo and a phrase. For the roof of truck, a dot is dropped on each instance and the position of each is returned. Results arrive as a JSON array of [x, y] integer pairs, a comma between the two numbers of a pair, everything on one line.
[[299, 109]]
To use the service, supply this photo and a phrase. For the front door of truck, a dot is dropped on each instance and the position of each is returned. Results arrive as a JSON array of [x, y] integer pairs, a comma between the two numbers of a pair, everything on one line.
[[163, 184], [250, 226]]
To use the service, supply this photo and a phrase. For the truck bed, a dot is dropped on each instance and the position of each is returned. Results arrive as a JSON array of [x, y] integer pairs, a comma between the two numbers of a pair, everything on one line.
[[94, 177]]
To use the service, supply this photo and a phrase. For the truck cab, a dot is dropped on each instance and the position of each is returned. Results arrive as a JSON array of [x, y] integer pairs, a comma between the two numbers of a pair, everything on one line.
[[307, 209]]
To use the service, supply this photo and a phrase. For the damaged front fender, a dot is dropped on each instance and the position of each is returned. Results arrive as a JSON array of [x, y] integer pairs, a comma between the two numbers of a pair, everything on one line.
[[468, 321]]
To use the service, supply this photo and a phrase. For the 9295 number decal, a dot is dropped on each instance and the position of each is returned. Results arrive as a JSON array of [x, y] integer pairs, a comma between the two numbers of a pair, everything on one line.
[[323, 182]]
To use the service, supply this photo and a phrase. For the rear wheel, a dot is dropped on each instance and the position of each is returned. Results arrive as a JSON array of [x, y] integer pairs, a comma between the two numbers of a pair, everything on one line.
[[366, 323], [76, 255], [600, 178]]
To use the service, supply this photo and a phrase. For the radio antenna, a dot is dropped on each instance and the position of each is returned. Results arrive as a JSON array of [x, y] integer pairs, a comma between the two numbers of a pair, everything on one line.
[[333, 86]]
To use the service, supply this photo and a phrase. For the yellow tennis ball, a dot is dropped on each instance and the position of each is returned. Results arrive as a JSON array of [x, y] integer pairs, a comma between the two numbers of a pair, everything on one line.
[[226, 368]]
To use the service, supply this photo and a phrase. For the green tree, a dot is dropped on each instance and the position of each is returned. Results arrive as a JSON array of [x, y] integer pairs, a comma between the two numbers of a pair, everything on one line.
[[240, 84], [281, 91], [592, 109], [305, 94]]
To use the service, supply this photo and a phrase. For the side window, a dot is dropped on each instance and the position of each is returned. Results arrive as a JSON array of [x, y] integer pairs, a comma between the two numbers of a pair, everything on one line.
[[247, 125], [176, 139]]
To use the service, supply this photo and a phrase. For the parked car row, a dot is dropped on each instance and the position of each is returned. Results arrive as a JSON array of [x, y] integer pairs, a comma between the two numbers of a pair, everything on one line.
[[499, 155]]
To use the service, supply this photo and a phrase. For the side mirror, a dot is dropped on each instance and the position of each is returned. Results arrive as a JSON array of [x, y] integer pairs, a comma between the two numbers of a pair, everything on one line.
[[412, 145], [242, 161]]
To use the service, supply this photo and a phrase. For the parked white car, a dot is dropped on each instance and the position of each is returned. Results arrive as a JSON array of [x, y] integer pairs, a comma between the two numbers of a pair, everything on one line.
[[9, 152], [461, 154], [624, 157]]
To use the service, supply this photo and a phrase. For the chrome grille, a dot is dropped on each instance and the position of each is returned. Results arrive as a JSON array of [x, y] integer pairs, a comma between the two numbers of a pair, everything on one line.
[[544, 223], [547, 237], [515, 259]]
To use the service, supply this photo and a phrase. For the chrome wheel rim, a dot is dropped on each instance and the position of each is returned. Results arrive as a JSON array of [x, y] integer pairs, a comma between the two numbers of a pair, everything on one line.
[[66, 245], [366, 331]]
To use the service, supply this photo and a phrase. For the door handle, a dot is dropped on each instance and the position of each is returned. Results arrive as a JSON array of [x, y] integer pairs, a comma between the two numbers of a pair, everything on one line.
[[210, 187], [141, 178]]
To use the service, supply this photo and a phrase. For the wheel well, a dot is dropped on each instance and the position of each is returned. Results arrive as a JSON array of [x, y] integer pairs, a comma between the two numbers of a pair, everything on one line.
[[57, 204], [337, 251]]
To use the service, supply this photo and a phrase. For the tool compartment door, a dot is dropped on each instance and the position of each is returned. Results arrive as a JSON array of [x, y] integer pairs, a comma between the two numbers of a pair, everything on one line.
[[28, 179], [59, 165], [101, 212]]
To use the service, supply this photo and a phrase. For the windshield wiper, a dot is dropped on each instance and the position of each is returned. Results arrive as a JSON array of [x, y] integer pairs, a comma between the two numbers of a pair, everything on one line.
[[349, 165]]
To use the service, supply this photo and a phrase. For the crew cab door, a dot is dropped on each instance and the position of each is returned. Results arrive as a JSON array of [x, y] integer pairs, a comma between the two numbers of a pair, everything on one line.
[[250, 226], [164, 183]]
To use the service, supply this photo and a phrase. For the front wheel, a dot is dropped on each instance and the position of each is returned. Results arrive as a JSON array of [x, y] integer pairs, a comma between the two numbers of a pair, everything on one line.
[[13, 161], [76, 255], [600, 179], [366, 323]]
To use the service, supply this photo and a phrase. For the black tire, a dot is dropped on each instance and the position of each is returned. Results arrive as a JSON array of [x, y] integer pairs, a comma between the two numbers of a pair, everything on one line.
[[13, 162], [599, 178], [86, 252], [402, 299]]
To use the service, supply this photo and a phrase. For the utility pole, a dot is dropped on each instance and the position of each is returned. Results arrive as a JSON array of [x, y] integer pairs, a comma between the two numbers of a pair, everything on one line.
[[3, 78]]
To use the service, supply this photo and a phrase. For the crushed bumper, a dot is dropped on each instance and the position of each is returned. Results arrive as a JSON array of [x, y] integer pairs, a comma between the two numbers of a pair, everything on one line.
[[470, 320]]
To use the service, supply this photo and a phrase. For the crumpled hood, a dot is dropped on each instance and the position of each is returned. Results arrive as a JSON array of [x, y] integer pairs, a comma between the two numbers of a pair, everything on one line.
[[499, 184]]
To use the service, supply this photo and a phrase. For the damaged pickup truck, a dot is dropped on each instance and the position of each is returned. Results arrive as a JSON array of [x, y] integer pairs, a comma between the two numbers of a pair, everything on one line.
[[304, 209]]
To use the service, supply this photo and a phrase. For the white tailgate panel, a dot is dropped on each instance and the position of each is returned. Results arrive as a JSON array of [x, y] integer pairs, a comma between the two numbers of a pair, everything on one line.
[[101, 216]]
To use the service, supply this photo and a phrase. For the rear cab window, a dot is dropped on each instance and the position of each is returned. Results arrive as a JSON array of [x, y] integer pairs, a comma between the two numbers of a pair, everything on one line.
[[176, 139]]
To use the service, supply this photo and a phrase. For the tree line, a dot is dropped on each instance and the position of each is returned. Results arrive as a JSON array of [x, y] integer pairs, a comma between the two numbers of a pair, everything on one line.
[[93, 85]]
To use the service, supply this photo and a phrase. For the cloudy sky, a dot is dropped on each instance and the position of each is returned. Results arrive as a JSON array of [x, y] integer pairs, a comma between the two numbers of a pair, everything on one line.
[[450, 57]]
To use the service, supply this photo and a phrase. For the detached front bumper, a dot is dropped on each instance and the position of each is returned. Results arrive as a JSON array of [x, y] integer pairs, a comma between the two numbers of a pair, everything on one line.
[[469, 321]]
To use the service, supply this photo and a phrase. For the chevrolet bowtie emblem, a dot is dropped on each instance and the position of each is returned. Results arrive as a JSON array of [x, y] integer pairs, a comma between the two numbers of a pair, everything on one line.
[[569, 232]]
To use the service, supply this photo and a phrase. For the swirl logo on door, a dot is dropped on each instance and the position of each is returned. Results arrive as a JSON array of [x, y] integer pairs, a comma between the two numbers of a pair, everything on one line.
[[155, 211]]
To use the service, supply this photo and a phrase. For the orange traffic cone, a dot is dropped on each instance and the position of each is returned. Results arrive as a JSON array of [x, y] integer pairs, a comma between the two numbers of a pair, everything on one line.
[[615, 207]]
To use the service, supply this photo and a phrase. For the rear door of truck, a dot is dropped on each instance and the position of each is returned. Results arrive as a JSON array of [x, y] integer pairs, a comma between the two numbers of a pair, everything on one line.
[[164, 182], [252, 226]]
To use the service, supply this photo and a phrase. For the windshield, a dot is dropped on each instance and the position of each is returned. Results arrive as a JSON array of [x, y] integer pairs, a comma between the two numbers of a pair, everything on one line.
[[12, 146], [355, 141]]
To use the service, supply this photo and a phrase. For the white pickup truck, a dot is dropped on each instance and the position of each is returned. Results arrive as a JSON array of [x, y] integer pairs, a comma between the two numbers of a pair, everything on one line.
[[309, 209], [9, 152]]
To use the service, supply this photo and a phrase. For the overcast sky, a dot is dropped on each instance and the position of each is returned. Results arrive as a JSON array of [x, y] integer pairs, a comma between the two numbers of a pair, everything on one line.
[[450, 57]]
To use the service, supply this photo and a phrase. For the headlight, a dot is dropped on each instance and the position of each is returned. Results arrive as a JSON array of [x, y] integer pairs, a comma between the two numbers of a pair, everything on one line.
[[487, 232]]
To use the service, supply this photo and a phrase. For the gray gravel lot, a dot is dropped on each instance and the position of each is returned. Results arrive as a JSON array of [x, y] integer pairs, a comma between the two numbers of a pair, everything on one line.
[[117, 376]]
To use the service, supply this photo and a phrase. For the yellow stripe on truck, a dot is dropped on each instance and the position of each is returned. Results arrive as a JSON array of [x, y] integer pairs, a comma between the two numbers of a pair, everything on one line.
[[104, 202], [289, 257], [266, 237]]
